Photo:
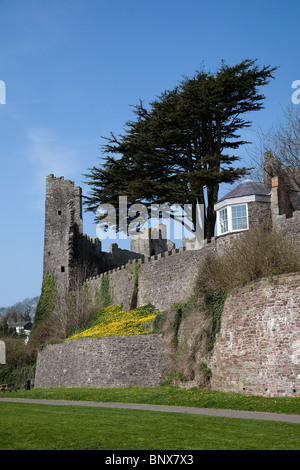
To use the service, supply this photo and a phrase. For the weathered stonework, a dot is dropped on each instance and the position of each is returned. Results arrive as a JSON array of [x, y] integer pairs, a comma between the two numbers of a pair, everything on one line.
[[121, 285], [116, 361], [258, 348], [289, 227], [169, 279], [259, 214], [161, 280], [62, 209]]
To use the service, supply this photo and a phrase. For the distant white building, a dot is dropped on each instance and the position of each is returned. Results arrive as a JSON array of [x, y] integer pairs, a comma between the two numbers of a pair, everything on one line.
[[22, 327]]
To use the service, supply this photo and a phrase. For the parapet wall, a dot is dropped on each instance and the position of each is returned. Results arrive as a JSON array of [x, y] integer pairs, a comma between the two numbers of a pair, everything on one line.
[[258, 348], [169, 279], [161, 279], [121, 285]]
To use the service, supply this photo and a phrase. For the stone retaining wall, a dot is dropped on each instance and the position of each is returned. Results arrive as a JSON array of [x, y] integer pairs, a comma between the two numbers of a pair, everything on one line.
[[115, 361], [256, 352], [258, 348]]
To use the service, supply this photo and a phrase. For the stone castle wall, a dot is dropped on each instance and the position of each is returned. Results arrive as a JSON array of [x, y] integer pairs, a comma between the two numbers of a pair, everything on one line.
[[284, 219], [170, 278], [289, 226], [161, 279], [116, 361], [258, 348]]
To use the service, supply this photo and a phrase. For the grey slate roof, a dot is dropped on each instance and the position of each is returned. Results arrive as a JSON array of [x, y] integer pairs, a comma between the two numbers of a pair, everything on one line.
[[27, 325], [247, 188]]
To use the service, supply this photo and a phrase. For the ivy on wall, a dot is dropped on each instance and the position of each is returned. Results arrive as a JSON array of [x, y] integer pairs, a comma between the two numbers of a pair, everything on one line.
[[46, 301], [216, 303], [105, 296]]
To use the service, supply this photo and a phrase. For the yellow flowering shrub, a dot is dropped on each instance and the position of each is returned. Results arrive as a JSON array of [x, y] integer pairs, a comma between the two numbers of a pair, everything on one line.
[[114, 321]]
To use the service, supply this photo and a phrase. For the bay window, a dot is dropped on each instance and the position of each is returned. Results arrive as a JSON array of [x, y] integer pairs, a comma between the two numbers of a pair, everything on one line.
[[232, 218]]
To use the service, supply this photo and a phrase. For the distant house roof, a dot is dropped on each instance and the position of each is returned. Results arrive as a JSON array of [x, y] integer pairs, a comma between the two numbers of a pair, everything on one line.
[[27, 325], [247, 188]]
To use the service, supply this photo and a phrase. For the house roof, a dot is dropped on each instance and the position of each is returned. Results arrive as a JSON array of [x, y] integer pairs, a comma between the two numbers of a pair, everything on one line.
[[247, 188], [27, 325]]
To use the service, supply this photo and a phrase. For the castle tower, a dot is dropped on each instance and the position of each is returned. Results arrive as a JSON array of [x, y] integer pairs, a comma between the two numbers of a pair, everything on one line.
[[152, 241], [63, 212]]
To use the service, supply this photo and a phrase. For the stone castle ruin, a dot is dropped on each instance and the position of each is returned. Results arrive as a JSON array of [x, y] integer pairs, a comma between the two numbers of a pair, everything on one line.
[[262, 317]]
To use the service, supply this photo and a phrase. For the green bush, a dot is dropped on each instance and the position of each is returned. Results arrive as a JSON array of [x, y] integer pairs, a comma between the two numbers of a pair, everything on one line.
[[255, 254], [20, 362], [17, 375]]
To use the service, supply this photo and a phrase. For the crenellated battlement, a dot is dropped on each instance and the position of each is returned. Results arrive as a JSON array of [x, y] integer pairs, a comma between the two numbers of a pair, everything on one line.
[[92, 241], [141, 260], [52, 178]]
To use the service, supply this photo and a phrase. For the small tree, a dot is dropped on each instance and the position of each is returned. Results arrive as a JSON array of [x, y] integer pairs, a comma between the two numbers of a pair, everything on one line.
[[72, 308], [283, 142], [21, 311]]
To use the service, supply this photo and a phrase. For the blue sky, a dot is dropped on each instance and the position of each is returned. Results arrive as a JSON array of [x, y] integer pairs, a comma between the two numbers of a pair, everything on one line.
[[72, 68]]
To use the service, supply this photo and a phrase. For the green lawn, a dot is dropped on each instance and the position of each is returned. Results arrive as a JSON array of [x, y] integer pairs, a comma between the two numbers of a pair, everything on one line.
[[194, 397], [39, 427], [48, 427]]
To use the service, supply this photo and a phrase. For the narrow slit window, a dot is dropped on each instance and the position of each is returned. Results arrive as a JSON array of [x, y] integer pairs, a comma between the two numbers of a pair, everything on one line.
[[62, 269], [59, 212]]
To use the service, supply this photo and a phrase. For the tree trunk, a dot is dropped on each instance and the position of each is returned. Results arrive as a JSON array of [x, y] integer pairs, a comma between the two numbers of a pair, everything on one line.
[[212, 197]]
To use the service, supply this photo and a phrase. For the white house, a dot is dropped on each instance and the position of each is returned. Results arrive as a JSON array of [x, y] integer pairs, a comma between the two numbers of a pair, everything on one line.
[[22, 327], [248, 203]]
